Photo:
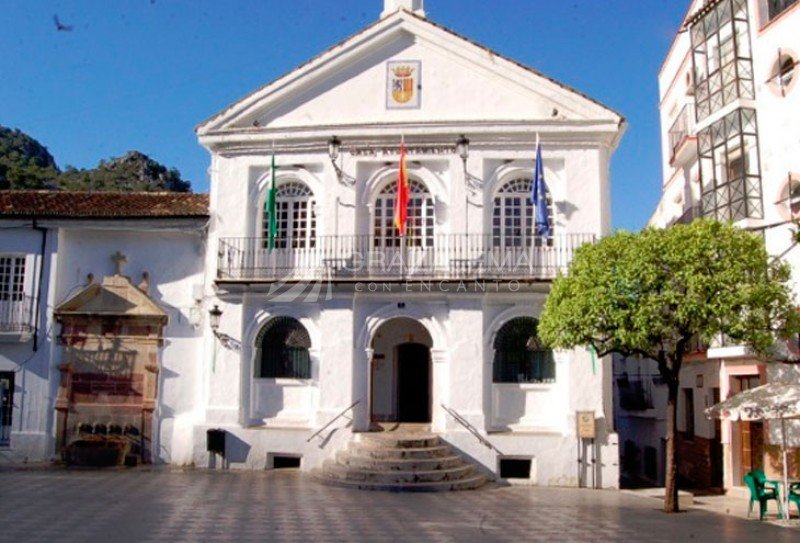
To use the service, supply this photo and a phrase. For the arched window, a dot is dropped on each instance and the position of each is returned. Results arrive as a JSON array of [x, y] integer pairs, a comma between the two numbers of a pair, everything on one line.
[[296, 220], [419, 229], [282, 350], [513, 215], [519, 356]]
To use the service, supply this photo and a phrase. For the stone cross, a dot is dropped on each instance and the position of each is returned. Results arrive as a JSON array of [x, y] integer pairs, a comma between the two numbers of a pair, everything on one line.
[[119, 259]]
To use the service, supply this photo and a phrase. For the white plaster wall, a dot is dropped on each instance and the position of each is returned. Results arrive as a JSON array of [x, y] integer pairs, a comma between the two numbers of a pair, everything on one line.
[[778, 127], [31, 439], [454, 88], [174, 261], [577, 178]]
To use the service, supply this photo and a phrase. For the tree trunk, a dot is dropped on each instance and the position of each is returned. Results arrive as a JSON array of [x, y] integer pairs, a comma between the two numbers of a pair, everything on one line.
[[671, 461]]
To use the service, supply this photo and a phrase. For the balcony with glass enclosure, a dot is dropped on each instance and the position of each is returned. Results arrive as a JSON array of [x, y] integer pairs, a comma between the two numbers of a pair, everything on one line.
[[729, 168], [722, 56], [682, 137]]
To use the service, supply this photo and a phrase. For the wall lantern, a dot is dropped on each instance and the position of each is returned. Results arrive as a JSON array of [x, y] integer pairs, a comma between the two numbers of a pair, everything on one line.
[[462, 148], [214, 315], [334, 151]]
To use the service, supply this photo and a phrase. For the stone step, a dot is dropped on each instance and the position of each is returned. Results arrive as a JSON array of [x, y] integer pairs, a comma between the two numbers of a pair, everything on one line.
[[468, 483], [348, 458], [439, 451], [338, 471], [397, 441]]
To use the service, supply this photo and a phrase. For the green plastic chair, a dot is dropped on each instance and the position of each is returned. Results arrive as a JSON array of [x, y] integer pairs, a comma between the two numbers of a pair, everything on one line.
[[794, 496], [761, 494], [763, 481]]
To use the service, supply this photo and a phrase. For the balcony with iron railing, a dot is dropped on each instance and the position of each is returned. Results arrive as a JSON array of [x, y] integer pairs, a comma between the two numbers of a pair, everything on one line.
[[681, 135], [358, 258], [16, 318], [635, 394]]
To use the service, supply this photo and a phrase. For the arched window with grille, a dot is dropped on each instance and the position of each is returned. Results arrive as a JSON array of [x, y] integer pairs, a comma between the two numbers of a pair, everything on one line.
[[513, 215], [282, 350], [296, 217], [419, 230], [519, 356]]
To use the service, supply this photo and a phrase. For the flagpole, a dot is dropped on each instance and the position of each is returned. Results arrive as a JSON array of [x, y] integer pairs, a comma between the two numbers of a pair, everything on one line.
[[533, 205], [403, 237]]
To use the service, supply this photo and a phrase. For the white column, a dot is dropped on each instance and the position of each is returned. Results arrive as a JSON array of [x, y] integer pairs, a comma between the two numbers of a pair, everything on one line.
[[440, 359], [336, 364]]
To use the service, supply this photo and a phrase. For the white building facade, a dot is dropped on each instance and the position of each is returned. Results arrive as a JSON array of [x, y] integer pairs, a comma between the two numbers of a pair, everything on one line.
[[53, 246], [336, 325], [343, 317], [730, 125]]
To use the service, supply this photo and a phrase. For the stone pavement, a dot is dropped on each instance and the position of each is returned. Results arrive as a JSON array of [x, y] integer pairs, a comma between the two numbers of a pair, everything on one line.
[[193, 505]]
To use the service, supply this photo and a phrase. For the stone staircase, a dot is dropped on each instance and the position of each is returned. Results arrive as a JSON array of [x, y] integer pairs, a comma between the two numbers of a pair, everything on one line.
[[411, 462]]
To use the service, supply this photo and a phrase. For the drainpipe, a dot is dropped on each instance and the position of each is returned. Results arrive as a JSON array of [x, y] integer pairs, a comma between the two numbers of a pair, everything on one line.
[[37, 316]]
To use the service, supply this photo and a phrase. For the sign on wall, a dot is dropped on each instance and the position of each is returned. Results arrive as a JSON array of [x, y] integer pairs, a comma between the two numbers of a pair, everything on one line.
[[403, 84], [586, 424]]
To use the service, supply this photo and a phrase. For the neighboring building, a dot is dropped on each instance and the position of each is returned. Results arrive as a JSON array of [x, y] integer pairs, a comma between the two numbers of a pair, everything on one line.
[[730, 124], [338, 325], [57, 247]]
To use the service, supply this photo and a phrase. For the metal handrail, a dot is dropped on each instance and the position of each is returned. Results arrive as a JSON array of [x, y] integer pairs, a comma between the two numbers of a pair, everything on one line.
[[470, 428], [334, 419], [359, 257]]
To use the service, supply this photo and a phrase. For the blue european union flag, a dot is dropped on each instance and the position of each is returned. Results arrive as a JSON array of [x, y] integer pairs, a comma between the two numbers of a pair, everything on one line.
[[541, 223]]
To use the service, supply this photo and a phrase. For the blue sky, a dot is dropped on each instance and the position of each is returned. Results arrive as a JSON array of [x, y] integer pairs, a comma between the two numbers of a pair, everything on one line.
[[141, 74]]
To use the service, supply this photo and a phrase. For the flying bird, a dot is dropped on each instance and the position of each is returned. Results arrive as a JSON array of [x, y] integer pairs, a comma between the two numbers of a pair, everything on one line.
[[60, 26]]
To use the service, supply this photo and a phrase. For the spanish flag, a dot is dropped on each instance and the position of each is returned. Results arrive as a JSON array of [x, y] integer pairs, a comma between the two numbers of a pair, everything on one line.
[[401, 201]]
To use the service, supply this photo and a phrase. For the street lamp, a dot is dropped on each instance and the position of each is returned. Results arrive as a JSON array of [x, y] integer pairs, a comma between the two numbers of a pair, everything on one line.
[[462, 150], [214, 315], [334, 150]]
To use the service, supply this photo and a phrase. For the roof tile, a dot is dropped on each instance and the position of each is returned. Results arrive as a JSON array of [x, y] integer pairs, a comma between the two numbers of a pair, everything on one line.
[[101, 205]]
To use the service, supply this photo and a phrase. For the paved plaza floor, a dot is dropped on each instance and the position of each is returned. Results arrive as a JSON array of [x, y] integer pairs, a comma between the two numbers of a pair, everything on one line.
[[205, 506]]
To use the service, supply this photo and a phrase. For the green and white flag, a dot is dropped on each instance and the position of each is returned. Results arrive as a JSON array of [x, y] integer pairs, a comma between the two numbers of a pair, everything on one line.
[[271, 211]]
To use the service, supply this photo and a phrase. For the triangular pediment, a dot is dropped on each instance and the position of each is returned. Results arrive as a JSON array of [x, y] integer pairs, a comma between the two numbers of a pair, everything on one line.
[[458, 81], [115, 296]]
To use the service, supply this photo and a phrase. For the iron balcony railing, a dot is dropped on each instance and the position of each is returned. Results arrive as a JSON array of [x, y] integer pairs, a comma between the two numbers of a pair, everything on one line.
[[635, 394], [356, 258], [681, 129], [16, 315]]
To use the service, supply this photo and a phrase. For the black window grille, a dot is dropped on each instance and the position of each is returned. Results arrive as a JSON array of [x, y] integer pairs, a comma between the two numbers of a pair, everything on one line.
[[282, 350], [519, 356]]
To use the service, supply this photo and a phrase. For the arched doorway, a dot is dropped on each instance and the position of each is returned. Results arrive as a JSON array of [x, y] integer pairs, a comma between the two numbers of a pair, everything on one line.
[[401, 382]]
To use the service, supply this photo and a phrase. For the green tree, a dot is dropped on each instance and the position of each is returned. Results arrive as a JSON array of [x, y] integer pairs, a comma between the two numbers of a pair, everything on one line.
[[648, 294]]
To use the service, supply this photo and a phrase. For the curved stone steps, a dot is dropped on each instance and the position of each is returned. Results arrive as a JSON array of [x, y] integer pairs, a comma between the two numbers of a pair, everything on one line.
[[394, 464], [399, 441], [350, 473], [439, 451], [400, 462], [470, 483]]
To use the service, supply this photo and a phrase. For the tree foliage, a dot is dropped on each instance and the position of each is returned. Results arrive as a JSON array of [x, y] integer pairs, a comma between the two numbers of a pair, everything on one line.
[[26, 164], [133, 171], [649, 294]]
